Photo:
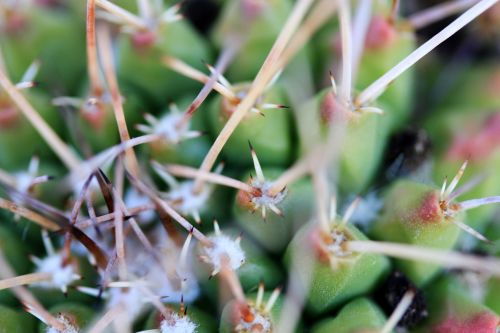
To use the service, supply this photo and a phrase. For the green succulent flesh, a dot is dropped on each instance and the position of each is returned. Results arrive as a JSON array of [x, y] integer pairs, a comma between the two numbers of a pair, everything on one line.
[[142, 67], [332, 286], [12, 321], [270, 133], [411, 215], [358, 315], [454, 309]]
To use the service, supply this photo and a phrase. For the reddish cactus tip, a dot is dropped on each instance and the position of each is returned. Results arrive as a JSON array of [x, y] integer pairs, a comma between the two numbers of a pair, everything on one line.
[[478, 145], [9, 115], [330, 108], [430, 210], [485, 322], [143, 40], [381, 33]]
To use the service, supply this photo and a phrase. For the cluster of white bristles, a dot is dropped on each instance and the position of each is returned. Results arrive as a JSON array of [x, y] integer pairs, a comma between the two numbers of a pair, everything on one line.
[[177, 324], [69, 327], [260, 319], [172, 127], [223, 251], [183, 195], [265, 199], [61, 274]]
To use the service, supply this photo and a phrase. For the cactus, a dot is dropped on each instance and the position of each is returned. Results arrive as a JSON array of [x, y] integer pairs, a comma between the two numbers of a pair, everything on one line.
[[359, 314], [166, 190]]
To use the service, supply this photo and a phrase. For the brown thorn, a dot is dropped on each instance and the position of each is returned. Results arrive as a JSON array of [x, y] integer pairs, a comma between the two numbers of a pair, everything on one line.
[[97, 252], [252, 150], [79, 202], [28, 214], [164, 206], [116, 100], [393, 12], [56, 215], [93, 66], [105, 185]]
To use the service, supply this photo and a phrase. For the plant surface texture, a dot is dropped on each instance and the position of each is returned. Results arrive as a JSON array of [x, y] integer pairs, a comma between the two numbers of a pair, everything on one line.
[[249, 166]]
